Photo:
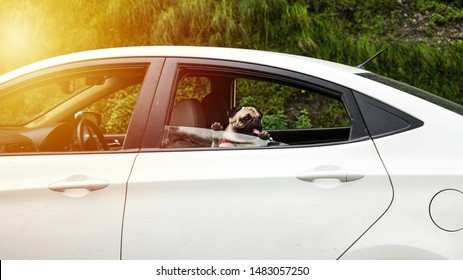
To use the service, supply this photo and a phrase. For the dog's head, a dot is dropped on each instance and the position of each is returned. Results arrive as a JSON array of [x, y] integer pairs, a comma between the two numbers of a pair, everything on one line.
[[245, 120]]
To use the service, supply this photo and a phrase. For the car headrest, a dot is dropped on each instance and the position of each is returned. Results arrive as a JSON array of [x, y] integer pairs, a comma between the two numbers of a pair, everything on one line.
[[215, 109], [188, 112]]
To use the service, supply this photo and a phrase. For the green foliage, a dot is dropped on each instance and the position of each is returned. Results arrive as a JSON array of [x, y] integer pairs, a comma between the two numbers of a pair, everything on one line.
[[286, 107], [346, 31], [116, 109], [279, 120], [193, 87], [303, 120]]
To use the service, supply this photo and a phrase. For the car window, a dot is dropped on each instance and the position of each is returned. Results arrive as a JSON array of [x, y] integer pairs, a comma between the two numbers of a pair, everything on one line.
[[23, 106], [195, 87], [289, 107], [79, 110], [290, 113], [116, 109]]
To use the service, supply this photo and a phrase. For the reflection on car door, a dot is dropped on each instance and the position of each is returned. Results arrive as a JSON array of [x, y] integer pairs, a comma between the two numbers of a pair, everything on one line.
[[286, 203]]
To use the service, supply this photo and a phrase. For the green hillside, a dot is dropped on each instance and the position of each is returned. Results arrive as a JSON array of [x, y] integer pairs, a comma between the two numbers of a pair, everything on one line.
[[346, 31]]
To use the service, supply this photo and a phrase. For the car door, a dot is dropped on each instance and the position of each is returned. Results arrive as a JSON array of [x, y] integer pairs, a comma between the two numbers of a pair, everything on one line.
[[310, 199], [68, 204]]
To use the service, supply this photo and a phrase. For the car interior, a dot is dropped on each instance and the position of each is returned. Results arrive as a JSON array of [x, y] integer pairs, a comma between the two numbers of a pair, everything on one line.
[[213, 104], [80, 123], [76, 123]]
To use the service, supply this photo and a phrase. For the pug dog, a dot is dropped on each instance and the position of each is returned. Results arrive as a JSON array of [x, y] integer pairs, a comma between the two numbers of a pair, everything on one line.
[[244, 129]]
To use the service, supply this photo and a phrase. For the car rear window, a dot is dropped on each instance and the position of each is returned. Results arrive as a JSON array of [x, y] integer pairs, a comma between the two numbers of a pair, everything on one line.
[[433, 98]]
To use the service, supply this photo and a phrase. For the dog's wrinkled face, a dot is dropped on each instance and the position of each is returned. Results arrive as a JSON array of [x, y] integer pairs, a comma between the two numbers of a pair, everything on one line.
[[246, 120]]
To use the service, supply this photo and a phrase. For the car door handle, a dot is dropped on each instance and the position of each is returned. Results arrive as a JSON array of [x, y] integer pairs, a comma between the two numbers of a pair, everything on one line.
[[343, 175], [72, 184]]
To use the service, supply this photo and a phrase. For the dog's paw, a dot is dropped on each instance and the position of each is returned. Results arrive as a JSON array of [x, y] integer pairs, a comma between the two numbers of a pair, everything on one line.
[[264, 135], [216, 126]]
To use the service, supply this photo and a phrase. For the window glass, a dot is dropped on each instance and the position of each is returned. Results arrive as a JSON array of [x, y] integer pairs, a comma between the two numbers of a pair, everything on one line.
[[192, 87], [116, 109], [87, 110], [187, 125], [23, 106]]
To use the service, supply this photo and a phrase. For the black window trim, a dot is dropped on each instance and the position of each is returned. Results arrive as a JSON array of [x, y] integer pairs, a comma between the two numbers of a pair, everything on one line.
[[383, 120]]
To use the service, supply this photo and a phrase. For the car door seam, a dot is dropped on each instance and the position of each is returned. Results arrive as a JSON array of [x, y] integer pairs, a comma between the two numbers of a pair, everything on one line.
[[385, 211], [125, 204]]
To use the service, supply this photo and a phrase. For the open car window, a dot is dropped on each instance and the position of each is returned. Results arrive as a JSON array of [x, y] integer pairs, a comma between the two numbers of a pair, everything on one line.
[[289, 107], [292, 113], [296, 115]]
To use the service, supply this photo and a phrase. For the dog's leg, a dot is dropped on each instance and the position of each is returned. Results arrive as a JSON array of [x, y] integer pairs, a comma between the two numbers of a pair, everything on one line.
[[217, 131], [264, 135]]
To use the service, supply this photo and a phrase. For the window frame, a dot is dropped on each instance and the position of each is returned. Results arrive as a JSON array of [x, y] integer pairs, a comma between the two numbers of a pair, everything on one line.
[[174, 68]]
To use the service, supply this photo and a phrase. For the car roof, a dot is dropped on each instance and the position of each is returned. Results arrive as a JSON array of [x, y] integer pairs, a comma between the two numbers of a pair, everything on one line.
[[296, 63]]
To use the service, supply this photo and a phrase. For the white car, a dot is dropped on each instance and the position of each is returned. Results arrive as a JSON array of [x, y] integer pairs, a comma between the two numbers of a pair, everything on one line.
[[107, 154]]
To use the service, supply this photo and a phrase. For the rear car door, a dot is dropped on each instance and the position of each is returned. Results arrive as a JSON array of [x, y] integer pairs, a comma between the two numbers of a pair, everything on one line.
[[59, 200], [310, 197]]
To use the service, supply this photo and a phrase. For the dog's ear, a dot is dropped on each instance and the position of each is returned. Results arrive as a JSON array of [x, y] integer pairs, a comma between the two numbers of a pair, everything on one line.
[[233, 111], [260, 113]]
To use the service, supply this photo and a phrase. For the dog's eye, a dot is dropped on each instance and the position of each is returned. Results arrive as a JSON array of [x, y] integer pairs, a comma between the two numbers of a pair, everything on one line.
[[246, 118]]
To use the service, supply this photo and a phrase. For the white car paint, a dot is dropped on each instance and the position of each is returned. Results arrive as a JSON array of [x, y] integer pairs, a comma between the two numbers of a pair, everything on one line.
[[301, 64], [39, 223], [249, 204], [184, 205], [432, 165]]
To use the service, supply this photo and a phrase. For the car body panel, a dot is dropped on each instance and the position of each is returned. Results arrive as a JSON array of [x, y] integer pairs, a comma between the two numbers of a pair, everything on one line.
[[250, 204], [40, 223], [415, 185], [306, 65], [372, 197]]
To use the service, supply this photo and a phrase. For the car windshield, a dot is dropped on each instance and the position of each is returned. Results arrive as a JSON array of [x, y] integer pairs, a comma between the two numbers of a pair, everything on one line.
[[22, 106], [440, 101]]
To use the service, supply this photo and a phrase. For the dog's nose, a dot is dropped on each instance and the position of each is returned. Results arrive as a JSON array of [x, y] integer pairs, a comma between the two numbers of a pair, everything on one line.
[[257, 123]]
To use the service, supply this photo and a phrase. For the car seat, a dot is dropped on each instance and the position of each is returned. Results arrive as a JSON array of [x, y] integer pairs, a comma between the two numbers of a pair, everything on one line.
[[188, 112], [215, 109]]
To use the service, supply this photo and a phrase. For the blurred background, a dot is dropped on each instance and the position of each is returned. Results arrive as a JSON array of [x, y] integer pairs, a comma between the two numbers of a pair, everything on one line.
[[345, 31]]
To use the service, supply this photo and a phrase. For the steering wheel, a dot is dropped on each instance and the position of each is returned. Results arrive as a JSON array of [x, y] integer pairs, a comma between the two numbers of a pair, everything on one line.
[[90, 137]]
